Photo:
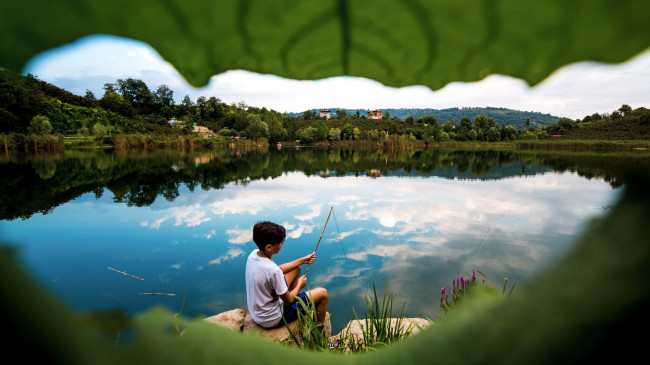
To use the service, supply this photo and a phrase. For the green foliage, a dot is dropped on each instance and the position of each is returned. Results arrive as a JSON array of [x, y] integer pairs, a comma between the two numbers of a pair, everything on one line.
[[334, 135], [99, 129], [256, 128], [40, 125], [438, 41], [629, 125]]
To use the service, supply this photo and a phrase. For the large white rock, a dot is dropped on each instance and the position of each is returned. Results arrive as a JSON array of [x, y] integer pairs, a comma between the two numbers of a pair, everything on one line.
[[355, 328], [233, 319]]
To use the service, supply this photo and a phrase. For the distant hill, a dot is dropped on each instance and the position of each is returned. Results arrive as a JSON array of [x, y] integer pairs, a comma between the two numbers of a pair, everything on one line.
[[501, 116], [633, 126]]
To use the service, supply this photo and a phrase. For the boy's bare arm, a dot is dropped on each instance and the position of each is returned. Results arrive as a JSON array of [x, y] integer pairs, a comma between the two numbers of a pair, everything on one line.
[[309, 259]]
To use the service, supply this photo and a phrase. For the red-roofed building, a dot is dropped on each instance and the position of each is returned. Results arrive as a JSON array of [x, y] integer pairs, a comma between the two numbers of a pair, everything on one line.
[[375, 114]]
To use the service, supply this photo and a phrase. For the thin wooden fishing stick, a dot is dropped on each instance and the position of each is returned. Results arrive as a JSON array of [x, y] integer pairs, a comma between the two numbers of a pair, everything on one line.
[[321, 236], [167, 294], [123, 273]]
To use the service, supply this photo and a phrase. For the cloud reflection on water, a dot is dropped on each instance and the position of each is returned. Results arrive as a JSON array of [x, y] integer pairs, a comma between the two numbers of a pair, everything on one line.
[[412, 233]]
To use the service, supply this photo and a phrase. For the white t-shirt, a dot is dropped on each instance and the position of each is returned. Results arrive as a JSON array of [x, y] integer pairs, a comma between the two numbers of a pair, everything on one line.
[[263, 278]]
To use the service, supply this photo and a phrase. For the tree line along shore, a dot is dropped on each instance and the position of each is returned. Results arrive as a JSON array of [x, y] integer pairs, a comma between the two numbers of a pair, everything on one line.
[[38, 116]]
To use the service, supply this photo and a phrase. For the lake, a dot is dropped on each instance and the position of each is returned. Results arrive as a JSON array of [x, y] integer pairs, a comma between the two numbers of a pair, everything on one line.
[[182, 221]]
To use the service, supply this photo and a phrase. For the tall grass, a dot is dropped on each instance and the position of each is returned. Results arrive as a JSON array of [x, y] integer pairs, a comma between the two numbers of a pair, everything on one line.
[[151, 142], [312, 334], [31, 143], [398, 142], [379, 327]]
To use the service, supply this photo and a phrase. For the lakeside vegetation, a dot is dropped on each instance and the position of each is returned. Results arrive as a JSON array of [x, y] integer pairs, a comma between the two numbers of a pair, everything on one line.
[[38, 116]]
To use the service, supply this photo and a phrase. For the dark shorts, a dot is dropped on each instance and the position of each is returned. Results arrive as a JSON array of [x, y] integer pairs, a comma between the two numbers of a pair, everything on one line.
[[291, 311]]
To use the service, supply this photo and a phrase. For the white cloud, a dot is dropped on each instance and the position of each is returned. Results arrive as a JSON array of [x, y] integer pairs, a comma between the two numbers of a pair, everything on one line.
[[345, 198], [395, 252], [154, 225], [382, 233], [210, 234], [339, 272], [238, 236], [190, 216], [257, 197], [315, 212], [302, 229], [231, 254], [288, 226], [343, 235]]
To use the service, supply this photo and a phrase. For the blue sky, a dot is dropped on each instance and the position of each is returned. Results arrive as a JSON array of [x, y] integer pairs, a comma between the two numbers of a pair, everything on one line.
[[574, 91]]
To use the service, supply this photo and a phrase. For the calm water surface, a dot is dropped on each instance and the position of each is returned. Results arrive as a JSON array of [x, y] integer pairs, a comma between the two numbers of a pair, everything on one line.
[[182, 221]]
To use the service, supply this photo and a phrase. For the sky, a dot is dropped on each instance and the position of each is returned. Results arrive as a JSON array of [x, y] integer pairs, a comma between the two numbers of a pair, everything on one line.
[[574, 91]]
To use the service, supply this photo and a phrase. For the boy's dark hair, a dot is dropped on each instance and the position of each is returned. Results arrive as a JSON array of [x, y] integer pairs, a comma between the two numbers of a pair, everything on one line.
[[267, 232]]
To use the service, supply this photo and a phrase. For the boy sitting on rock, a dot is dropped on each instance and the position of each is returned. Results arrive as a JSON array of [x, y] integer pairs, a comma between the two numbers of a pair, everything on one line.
[[271, 290]]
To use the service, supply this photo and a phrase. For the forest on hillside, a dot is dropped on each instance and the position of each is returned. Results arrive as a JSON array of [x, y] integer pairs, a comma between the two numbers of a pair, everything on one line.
[[515, 118], [29, 106]]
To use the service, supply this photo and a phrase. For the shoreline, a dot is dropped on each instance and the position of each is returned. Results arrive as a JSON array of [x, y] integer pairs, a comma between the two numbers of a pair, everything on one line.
[[57, 143]]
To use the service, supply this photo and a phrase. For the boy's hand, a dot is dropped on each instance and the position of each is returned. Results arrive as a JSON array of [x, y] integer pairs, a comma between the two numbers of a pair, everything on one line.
[[302, 281], [309, 259]]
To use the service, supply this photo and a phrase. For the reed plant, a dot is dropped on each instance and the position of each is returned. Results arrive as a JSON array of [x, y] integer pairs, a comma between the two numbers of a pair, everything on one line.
[[32, 143], [177, 316], [380, 326], [398, 142], [5, 141]]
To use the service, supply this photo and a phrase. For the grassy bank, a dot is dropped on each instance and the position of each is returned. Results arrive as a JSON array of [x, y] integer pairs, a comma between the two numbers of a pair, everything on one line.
[[151, 142], [31, 143], [596, 145], [50, 143]]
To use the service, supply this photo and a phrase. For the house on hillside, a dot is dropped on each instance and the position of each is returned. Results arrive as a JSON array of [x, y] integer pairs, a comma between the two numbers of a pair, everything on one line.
[[375, 114], [325, 113]]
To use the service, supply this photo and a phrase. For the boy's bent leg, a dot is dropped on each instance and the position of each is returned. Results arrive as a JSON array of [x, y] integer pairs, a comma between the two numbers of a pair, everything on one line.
[[320, 298]]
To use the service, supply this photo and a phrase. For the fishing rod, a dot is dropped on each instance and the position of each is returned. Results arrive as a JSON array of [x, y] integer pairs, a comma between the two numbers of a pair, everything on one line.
[[321, 236]]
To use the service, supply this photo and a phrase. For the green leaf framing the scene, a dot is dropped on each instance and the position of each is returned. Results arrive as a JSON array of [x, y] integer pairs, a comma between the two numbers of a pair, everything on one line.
[[398, 43]]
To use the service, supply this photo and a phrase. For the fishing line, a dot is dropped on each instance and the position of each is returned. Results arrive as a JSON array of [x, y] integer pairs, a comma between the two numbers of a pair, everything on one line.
[[345, 256], [321, 236], [484, 239]]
